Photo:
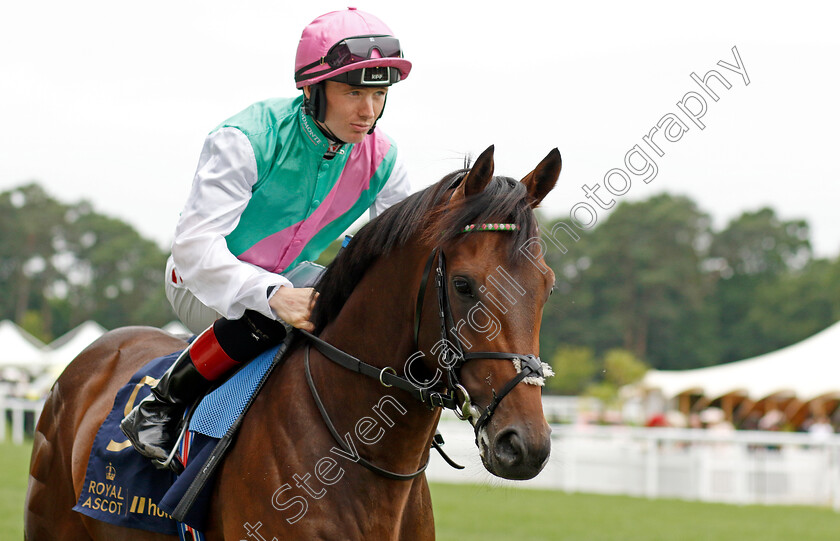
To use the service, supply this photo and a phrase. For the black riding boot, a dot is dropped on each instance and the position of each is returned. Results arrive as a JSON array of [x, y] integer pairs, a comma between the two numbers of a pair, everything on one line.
[[152, 426]]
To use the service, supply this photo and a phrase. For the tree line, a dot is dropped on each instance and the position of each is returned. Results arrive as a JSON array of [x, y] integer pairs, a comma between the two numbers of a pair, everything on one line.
[[655, 280], [652, 283], [63, 264]]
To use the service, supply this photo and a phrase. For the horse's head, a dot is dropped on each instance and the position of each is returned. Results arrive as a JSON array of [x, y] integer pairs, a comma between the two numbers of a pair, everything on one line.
[[491, 308], [476, 309]]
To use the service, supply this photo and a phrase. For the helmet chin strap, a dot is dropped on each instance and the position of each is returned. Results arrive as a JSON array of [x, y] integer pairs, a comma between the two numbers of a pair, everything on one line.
[[329, 133], [315, 105]]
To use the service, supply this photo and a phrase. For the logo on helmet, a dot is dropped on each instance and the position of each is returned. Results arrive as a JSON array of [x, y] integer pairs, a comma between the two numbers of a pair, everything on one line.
[[375, 75]]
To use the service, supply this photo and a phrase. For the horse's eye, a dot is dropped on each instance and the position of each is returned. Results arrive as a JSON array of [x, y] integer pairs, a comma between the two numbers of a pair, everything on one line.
[[551, 291], [462, 286]]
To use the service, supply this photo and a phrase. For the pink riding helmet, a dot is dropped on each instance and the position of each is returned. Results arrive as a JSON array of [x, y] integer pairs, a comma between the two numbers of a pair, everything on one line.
[[332, 30]]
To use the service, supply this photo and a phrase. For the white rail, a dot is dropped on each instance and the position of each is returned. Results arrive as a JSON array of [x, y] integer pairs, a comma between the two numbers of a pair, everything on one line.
[[18, 408], [733, 467]]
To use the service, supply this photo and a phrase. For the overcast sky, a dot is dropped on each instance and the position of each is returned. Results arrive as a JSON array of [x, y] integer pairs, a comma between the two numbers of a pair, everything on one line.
[[110, 101]]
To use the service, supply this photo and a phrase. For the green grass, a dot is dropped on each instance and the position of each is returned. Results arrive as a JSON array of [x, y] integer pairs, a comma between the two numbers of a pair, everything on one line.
[[470, 512], [14, 474], [466, 513]]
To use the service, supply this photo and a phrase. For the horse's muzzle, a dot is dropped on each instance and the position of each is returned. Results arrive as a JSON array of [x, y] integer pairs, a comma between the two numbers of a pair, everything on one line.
[[514, 454]]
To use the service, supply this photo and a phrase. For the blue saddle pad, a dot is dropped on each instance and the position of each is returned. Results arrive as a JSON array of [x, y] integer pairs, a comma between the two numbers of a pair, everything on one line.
[[219, 409], [124, 488]]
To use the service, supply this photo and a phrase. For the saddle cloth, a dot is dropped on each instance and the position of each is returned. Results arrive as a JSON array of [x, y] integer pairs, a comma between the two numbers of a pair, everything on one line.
[[124, 488]]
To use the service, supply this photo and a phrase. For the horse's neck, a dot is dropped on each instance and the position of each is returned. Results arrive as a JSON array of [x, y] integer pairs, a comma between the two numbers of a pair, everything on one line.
[[376, 326], [377, 320]]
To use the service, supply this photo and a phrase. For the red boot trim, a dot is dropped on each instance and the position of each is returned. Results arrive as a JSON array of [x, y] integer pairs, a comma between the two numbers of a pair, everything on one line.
[[209, 358]]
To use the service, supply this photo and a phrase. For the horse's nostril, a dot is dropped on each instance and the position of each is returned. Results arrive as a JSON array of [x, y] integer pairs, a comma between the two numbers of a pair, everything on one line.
[[508, 448]]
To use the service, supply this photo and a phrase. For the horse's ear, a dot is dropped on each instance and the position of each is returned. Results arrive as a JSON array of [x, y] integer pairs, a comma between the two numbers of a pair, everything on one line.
[[478, 177], [541, 180]]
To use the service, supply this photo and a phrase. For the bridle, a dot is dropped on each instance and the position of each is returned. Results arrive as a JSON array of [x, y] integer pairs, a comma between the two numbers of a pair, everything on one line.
[[454, 358], [453, 395]]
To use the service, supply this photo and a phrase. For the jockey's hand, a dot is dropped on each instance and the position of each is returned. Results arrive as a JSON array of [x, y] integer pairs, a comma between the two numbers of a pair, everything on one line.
[[294, 306]]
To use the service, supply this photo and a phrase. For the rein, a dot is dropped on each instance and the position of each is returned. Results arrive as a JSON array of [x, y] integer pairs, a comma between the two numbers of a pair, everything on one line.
[[386, 376]]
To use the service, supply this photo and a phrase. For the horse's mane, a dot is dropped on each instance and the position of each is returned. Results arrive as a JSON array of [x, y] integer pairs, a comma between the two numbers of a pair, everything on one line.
[[426, 216]]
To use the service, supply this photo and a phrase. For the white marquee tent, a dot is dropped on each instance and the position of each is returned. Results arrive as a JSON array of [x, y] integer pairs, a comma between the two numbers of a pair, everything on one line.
[[806, 370], [18, 349], [65, 348]]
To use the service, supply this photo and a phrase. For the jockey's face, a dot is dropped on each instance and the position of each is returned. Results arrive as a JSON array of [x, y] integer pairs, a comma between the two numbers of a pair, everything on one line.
[[352, 110]]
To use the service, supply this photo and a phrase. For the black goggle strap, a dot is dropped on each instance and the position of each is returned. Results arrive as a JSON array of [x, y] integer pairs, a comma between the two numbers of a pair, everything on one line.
[[301, 75]]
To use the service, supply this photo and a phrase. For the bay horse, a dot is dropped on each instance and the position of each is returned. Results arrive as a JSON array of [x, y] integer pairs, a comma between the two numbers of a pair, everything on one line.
[[290, 473]]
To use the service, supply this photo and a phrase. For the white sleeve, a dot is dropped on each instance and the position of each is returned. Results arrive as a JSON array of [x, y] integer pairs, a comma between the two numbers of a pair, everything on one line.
[[227, 169], [396, 188]]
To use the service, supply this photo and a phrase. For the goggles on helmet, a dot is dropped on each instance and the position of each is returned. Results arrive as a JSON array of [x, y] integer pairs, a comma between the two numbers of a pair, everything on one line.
[[351, 50], [359, 48]]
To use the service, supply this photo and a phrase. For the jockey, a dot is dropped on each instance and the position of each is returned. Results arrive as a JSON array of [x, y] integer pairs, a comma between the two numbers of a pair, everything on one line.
[[275, 185]]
